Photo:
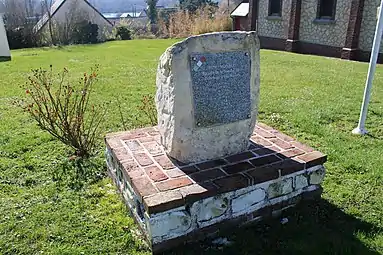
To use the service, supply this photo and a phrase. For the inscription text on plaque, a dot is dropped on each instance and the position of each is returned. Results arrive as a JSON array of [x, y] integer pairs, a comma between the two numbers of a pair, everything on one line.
[[221, 87]]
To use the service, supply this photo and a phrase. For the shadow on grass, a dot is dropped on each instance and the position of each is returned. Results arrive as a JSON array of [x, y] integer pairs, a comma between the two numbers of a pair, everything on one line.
[[314, 228]]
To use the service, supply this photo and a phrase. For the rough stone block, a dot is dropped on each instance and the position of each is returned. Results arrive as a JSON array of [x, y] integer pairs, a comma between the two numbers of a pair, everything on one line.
[[195, 122], [244, 203], [280, 188], [169, 225], [317, 175], [210, 210], [300, 181]]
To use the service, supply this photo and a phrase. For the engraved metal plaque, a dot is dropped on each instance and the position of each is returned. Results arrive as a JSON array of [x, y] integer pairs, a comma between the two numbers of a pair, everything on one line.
[[221, 87]]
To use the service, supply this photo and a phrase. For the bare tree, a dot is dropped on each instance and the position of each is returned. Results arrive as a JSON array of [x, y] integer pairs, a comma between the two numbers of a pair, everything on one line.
[[46, 6], [19, 22]]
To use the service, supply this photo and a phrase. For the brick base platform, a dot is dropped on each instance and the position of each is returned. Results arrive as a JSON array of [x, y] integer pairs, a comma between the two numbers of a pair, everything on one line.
[[173, 202]]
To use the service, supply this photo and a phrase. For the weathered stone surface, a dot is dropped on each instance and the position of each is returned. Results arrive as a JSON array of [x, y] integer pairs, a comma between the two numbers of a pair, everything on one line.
[[183, 137], [168, 225], [300, 182], [317, 174], [367, 30], [280, 188], [210, 210], [244, 203]]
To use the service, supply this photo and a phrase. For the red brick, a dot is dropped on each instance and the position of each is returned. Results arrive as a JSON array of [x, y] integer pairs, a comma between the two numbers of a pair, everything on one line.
[[146, 129], [154, 148], [264, 133], [133, 135], [130, 166], [133, 145], [261, 161], [143, 159], [232, 182], [174, 173], [132, 170], [263, 174], [122, 154], [313, 158], [254, 146], [260, 141], [146, 139], [154, 133], [240, 156], [207, 175], [283, 137], [211, 164], [197, 192], [189, 169], [164, 162], [143, 186], [280, 143], [275, 148], [292, 153], [113, 142], [163, 201], [174, 183], [289, 166], [155, 173], [302, 146], [236, 168], [264, 151]]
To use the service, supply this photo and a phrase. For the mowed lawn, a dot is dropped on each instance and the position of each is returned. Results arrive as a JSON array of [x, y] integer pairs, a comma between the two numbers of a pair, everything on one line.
[[314, 99]]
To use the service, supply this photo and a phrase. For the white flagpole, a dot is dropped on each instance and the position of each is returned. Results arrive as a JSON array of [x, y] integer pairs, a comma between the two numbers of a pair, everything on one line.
[[360, 130]]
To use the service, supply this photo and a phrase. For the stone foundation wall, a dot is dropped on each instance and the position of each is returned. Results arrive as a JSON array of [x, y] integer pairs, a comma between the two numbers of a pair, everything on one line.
[[367, 30], [275, 27], [331, 34]]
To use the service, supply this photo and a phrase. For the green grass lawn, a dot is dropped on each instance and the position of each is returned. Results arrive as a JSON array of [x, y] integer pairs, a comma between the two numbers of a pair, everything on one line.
[[315, 99]]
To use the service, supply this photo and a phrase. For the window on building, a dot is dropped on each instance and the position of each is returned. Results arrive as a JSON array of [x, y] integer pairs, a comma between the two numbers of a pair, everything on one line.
[[275, 8], [326, 9]]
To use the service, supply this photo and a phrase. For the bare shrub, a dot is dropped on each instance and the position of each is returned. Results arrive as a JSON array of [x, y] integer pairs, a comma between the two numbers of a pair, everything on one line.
[[184, 23], [139, 28], [149, 109], [64, 109]]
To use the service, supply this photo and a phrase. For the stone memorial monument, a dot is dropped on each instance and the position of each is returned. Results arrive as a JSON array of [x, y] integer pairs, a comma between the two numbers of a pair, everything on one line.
[[207, 166], [5, 53]]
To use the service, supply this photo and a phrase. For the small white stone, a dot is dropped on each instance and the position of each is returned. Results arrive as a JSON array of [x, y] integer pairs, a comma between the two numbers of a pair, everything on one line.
[[245, 203], [169, 225], [210, 210]]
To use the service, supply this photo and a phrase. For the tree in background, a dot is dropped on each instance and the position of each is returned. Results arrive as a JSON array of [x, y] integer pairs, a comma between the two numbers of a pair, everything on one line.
[[193, 5], [19, 18], [152, 12]]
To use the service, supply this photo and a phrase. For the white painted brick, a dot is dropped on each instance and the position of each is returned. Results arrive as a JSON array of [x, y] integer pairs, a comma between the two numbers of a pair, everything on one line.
[[280, 188], [246, 202], [317, 176], [300, 182], [168, 225], [211, 210]]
